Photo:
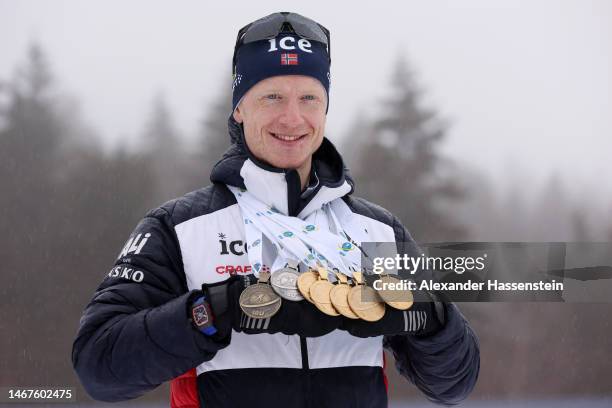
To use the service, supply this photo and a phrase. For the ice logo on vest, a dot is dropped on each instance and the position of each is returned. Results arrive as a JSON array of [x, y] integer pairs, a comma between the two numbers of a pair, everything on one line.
[[134, 245], [236, 247]]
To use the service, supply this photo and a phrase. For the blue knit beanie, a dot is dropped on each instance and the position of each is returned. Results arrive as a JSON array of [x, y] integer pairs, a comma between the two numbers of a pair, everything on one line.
[[287, 54]]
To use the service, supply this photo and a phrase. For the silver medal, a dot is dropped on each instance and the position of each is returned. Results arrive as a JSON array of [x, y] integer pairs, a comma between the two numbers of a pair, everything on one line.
[[284, 282]]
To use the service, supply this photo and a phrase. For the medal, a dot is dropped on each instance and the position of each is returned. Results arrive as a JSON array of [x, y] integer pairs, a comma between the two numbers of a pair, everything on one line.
[[369, 311], [284, 282], [339, 297], [320, 294], [305, 281], [398, 299], [259, 301]]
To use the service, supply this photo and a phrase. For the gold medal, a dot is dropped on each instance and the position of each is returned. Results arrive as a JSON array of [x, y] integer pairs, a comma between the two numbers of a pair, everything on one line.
[[361, 299], [320, 294], [305, 280], [339, 297], [401, 299], [259, 301]]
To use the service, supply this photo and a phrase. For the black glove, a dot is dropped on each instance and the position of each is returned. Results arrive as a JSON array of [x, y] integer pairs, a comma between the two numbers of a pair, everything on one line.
[[220, 299], [301, 318], [424, 318]]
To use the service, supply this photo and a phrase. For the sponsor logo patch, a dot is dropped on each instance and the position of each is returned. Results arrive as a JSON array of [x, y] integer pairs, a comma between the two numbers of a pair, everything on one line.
[[235, 247], [134, 245], [124, 272], [233, 269]]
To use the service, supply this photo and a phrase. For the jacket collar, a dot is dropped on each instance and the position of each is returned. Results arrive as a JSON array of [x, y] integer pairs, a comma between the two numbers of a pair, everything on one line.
[[281, 188]]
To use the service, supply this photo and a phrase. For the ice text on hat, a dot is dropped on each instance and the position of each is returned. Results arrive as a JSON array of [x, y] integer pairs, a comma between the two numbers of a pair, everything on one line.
[[287, 43]]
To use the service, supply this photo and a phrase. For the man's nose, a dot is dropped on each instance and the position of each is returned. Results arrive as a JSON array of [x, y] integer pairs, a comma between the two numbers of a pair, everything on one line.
[[291, 115]]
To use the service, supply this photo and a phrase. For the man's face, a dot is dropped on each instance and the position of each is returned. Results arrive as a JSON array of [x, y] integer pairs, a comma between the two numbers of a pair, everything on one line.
[[284, 119]]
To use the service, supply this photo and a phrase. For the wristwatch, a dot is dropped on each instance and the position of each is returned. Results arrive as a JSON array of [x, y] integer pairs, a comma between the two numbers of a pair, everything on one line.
[[202, 316]]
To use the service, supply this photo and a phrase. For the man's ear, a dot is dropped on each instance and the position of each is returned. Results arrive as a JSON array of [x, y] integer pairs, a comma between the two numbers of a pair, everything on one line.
[[238, 115]]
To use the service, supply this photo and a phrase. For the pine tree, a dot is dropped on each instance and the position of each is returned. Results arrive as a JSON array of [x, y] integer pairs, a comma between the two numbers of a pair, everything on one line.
[[30, 152], [32, 131], [400, 167], [551, 218], [65, 210], [214, 138], [32, 157], [162, 149]]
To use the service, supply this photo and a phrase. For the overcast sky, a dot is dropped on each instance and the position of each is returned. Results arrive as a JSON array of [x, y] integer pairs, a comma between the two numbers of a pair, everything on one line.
[[526, 85]]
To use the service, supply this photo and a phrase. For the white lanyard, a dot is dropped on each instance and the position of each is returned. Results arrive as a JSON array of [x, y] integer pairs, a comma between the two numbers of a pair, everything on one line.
[[295, 239], [346, 225]]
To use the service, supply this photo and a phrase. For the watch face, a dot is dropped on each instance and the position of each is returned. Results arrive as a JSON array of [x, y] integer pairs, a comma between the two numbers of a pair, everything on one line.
[[200, 315]]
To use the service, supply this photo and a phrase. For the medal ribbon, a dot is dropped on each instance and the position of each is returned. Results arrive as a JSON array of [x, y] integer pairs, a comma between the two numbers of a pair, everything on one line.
[[302, 240]]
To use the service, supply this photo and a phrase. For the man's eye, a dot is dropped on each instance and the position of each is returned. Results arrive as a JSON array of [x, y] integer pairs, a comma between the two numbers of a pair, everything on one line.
[[272, 97], [309, 97]]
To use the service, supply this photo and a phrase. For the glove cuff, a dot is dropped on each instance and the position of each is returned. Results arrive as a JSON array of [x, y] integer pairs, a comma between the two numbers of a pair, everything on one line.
[[217, 296]]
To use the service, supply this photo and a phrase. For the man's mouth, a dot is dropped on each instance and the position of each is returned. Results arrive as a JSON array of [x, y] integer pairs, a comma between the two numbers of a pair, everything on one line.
[[287, 138]]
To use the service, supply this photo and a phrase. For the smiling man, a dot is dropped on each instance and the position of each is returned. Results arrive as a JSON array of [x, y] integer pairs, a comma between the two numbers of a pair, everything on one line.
[[281, 201], [284, 121]]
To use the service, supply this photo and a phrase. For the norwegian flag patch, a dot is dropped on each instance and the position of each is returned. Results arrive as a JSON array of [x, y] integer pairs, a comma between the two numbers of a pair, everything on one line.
[[289, 59]]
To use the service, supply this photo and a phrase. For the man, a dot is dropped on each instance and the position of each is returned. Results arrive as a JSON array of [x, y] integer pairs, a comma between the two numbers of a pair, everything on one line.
[[168, 305]]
